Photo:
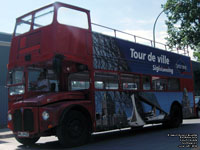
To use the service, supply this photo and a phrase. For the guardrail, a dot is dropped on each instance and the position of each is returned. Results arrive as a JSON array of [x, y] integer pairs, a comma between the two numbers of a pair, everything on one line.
[[148, 42]]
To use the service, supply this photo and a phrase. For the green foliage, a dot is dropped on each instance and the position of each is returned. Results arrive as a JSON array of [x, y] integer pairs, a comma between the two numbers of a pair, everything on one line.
[[197, 55], [183, 24]]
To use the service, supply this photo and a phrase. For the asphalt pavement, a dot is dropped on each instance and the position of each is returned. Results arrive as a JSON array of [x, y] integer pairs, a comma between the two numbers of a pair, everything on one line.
[[150, 137], [5, 133]]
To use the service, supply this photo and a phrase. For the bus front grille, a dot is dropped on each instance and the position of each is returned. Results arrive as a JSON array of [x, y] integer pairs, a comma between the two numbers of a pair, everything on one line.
[[17, 120], [23, 120]]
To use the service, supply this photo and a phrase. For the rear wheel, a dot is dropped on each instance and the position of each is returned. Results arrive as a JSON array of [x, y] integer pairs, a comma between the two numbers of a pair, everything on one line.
[[74, 130], [198, 113], [27, 141], [175, 117]]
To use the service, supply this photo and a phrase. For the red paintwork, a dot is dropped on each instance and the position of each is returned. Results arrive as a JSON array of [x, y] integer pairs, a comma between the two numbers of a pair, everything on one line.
[[43, 44], [56, 111], [49, 98], [40, 103]]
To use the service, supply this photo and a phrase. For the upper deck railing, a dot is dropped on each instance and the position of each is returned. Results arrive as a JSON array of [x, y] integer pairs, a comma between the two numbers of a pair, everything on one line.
[[141, 40]]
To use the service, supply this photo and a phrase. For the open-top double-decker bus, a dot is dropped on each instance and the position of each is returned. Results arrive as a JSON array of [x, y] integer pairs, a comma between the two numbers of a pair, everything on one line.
[[65, 80]]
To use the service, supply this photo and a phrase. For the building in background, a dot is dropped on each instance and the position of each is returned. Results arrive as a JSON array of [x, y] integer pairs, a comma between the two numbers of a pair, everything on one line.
[[5, 40]]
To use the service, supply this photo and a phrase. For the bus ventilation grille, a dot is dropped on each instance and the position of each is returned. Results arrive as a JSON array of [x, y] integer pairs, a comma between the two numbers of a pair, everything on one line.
[[23, 120]]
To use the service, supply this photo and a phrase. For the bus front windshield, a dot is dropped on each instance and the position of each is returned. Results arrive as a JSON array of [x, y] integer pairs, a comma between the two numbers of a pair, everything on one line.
[[15, 82], [42, 80]]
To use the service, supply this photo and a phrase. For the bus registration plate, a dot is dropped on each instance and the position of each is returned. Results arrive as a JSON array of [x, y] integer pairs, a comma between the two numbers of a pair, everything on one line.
[[23, 134]]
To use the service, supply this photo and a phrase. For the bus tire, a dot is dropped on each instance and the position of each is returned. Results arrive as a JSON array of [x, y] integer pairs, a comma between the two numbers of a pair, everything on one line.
[[175, 116], [198, 113], [74, 129], [27, 141]]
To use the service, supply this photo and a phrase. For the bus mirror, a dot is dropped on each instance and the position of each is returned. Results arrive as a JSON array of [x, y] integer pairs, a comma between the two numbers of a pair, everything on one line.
[[57, 63]]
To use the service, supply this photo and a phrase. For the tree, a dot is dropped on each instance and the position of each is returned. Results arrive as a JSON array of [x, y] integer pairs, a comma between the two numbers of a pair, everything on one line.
[[183, 24]]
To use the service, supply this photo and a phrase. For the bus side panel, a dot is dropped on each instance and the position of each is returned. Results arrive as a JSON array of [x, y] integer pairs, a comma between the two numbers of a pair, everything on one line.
[[136, 108], [125, 56], [113, 109], [116, 109], [166, 99], [107, 55]]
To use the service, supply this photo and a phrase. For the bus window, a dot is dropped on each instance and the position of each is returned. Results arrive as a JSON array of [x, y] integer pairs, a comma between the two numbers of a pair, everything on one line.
[[146, 82], [99, 85], [72, 17], [159, 84], [79, 81], [40, 79], [105, 80], [173, 84], [130, 82], [43, 17], [24, 25]]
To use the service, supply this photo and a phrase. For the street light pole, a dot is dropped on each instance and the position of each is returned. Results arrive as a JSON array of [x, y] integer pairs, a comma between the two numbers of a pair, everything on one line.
[[164, 9], [154, 26]]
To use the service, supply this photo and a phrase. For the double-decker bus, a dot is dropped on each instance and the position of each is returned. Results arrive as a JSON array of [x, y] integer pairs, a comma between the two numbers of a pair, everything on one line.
[[67, 81]]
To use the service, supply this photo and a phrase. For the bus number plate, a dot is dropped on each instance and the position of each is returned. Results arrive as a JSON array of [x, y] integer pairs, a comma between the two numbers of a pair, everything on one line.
[[23, 134]]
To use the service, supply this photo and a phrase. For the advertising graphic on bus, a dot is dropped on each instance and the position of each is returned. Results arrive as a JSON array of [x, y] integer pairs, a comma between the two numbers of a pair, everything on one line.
[[66, 80]]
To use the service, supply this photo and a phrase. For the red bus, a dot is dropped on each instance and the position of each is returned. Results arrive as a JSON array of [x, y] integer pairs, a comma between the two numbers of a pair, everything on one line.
[[67, 81]]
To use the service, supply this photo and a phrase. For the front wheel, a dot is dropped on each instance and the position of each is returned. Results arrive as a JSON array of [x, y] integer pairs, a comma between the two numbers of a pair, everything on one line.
[[74, 130], [27, 141]]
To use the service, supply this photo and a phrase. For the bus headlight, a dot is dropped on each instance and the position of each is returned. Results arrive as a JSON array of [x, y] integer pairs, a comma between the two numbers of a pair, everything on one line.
[[9, 117], [45, 115]]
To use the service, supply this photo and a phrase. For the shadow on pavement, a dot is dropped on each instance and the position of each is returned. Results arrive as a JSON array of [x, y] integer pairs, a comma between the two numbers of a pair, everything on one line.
[[3, 142], [98, 141]]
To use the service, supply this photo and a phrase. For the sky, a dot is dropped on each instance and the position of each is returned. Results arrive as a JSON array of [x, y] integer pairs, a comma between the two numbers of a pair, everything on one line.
[[134, 16]]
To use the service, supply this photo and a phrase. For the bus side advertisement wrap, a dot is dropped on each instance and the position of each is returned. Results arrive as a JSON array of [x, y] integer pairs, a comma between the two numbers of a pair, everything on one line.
[[132, 102], [120, 55], [149, 60], [123, 109]]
